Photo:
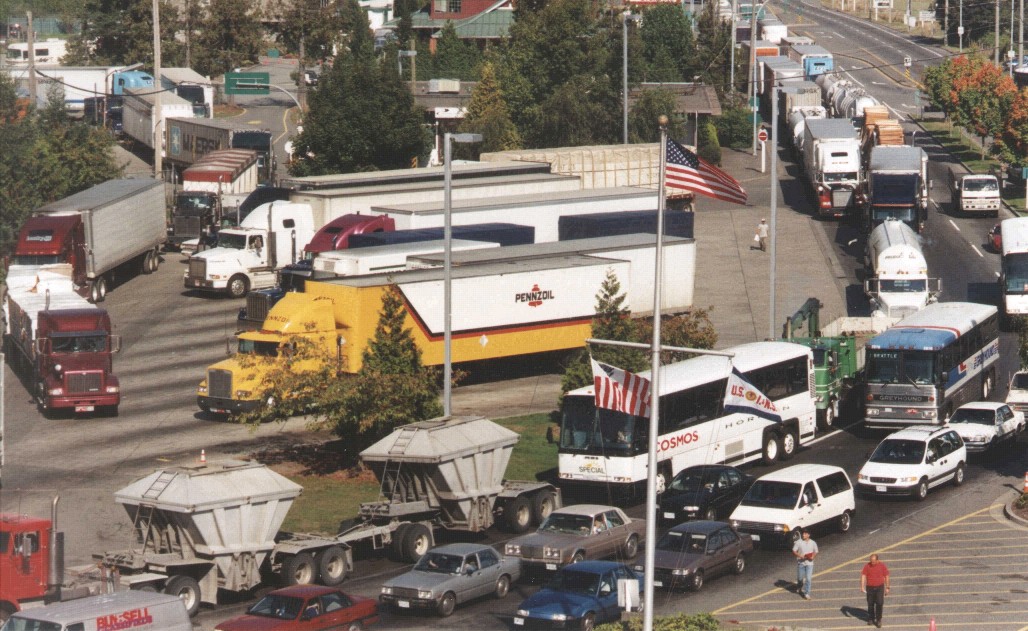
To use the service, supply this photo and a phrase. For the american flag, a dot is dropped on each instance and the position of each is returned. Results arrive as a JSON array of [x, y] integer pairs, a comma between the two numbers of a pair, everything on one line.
[[687, 171], [620, 390]]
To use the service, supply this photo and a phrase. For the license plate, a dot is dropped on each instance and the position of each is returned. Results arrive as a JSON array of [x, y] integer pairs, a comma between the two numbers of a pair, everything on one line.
[[669, 515], [658, 583], [880, 489], [551, 566], [755, 537], [519, 621], [404, 604], [84, 408], [219, 411]]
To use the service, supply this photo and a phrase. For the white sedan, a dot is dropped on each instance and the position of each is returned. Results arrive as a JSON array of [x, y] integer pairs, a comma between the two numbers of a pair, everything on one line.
[[984, 424]]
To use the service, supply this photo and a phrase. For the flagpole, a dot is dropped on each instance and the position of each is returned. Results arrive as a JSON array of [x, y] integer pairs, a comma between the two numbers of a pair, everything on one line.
[[651, 461]]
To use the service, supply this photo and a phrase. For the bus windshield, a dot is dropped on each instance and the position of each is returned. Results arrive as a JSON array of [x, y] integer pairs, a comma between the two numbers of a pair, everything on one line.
[[586, 428], [889, 366], [1015, 273]]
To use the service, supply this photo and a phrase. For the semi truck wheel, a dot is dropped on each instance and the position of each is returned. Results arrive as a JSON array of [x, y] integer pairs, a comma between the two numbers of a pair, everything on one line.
[[397, 543], [101, 288], [298, 569], [238, 286], [332, 566], [187, 590], [518, 514], [542, 505], [416, 542]]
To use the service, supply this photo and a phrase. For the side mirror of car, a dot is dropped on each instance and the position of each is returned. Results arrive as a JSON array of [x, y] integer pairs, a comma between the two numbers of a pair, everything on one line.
[[469, 570], [605, 590]]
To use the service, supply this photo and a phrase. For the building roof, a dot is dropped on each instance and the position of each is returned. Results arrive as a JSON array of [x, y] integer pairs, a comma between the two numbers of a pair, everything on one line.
[[492, 23], [690, 98]]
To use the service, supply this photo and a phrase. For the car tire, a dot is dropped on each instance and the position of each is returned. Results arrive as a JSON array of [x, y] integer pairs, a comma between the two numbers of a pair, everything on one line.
[[416, 542], [789, 443], [355, 626], [186, 589], [298, 569], [518, 513], [543, 504], [740, 564], [794, 536], [588, 622], [502, 587], [710, 514], [631, 548], [577, 557], [844, 521], [921, 490], [331, 566], [771, 449], [446, 605], [959, 475], [697, 581]]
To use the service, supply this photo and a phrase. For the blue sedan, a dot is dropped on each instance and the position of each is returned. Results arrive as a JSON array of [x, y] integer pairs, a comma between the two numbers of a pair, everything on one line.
[[579, 596]]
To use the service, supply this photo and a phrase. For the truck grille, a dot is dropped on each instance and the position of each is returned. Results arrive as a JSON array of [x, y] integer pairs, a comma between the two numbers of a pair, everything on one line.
[[257, 306], [219, 384], [197, 268], [83, 382], [841, 197], [187, 226]]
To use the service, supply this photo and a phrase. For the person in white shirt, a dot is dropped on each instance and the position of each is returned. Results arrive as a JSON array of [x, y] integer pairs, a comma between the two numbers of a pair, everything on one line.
[[805, 549]]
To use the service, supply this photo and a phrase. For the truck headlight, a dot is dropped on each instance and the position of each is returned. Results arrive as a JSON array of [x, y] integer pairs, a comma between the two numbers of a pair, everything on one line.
[[56, 392], [551, 553], [873, 411], [862, 477], [512, 549], [735, 524], [242, 394], [781, 527], [424, 593], [113, 389], [202, 388], [638, 568], [387, 590], [685, 572], [908, 480]]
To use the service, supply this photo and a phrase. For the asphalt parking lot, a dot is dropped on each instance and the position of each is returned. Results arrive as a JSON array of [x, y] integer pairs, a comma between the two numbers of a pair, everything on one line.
[[971, 572]]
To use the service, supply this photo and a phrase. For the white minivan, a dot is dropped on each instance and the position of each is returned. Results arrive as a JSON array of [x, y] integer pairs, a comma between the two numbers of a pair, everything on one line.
[[780, 505], [120, 611], [911, 461]]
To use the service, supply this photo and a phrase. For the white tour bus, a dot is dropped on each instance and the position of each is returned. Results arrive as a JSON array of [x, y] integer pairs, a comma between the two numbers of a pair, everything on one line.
[[1013, 280], [49, 51], [930, 363], [600, 447]]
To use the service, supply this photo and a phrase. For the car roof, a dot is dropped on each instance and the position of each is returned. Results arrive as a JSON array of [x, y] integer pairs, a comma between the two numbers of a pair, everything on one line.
[[800, 472], [983, 405], [303, 591], [592, 567], [584, 509], [706, 468], [916, 432], [699, 527], [461, 548]]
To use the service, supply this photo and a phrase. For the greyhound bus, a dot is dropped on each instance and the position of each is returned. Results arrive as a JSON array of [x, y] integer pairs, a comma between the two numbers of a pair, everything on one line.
[[930, 363], [601, 447]]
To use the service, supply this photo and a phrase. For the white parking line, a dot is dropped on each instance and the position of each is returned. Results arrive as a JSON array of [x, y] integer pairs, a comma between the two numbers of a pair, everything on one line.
[[975, 248], [954, 225]]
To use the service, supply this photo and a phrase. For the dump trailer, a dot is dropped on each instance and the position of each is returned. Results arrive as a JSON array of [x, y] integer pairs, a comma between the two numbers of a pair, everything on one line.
[[189, 139], [215, 526], [838, 355], [111, 230]]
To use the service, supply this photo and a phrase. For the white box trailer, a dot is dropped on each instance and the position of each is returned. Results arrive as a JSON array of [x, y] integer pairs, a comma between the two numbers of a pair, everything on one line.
[[137, 112], [386, 258], [597, 166], [330, 204], [193, 87], [542, 210]]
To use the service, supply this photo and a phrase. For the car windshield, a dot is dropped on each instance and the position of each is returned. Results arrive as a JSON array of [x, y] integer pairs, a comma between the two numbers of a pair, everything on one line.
[[691, 542], [895, 451], [440, 563], [275, 606], [575, 582], [691, 481], [566, 523], [971, 415], [771, 494]]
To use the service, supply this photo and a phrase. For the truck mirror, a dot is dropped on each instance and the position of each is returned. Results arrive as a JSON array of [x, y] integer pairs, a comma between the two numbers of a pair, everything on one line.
[[944, 377], [115, 343]]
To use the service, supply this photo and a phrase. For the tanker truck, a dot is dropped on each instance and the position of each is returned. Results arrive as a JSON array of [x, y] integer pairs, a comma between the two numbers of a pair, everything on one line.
[[897, 275], [215, 526]]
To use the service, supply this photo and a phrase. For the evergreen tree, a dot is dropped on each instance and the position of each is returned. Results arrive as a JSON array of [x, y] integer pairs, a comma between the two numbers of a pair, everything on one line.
[[708, 146], [643, 117], [714, 48], [488, 115], [392, 350], [669, 46], [454, 58], [315, 22], [121, 32], [231, 36]]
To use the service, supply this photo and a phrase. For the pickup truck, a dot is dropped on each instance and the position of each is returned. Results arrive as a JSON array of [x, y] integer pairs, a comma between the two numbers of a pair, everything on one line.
[[975, 193]]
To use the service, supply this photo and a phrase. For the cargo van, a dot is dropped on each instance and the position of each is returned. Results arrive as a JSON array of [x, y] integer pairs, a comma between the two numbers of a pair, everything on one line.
[[135, 610]]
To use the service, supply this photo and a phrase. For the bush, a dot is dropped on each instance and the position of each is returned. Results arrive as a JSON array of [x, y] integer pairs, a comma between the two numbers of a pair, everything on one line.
[[1022, 502], [734, 128], [678, 622], [708, 147]]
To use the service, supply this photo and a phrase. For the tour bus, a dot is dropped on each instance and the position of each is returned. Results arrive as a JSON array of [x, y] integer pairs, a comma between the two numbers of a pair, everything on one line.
[[601, 447], [50, 51], [930, 363], [1013, 280]]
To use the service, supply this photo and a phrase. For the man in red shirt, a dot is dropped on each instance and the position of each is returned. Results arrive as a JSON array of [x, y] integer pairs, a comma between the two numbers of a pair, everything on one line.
[[874, 581]]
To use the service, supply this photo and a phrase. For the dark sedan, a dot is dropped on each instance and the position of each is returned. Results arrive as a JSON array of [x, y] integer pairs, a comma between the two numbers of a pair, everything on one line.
[[577, 597], [692, 552], [703, 492]]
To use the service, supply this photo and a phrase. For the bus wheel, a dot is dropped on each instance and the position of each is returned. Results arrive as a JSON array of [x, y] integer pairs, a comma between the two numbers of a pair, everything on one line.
[[771, 448], [788, 443]]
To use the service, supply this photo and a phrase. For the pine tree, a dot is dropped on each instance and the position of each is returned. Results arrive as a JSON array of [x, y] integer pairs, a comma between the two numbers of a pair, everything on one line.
[[392, 350], [488, 115]]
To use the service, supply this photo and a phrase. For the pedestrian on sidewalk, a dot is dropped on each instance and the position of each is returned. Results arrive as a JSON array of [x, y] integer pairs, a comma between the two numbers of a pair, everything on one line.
[[805, 549], [874, 581], [762, 232]]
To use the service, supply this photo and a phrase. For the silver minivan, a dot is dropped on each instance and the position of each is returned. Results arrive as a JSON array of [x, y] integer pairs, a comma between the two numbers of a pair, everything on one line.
[[120, 611]]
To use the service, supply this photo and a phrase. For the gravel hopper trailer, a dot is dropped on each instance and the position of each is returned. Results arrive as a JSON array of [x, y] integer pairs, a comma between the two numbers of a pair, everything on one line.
[[216, 525]]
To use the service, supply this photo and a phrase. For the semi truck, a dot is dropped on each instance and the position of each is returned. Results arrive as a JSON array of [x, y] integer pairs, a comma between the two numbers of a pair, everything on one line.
[[198, 208], [796, 95], [838, 355], [79, 83], [499, 233], [205, 530], [188, 139], [137, 117], [796, 125], [250, 255], [59, 343], [105, 232], [897, 280], [193, 87], [815, 59], [538, 298], [974, 193], [335, 235], [831, 165], [896, 186]]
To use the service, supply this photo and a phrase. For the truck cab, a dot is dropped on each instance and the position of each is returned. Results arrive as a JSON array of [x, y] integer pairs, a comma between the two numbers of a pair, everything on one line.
[[51, 239], [335, 235], [24, 561], [975, 193]]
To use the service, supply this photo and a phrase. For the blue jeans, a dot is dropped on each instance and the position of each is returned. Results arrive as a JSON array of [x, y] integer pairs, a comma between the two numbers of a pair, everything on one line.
[[804, 575]]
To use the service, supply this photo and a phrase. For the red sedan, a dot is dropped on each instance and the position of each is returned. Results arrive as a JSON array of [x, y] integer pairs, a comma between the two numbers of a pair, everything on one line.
[[305, 608]]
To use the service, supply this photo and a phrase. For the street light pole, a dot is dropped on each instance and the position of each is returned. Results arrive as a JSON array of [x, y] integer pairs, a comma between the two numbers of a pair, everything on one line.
[[625, 18], [448, 138]]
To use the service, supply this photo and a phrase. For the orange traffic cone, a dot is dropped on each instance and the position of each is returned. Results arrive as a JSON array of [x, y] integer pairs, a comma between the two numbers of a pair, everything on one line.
[[1025, 489], [931, 624], [203, 458]]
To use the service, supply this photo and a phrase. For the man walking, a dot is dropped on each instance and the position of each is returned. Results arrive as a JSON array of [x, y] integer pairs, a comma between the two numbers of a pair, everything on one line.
[[762, 232], [874, 581], [804, 550]]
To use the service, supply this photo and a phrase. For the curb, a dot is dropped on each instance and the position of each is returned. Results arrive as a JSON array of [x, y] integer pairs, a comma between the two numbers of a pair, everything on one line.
[[1008, 511]]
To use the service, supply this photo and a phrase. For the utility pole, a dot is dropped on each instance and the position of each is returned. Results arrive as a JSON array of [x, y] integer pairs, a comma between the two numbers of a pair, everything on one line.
[[156, 115], [1020, 36], [752, 91], [33, 86], [731, 72], [945, 23], [413, 67], [995, 42]]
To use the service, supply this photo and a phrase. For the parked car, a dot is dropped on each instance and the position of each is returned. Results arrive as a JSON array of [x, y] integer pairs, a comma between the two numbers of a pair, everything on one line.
[[1017, 393], [913, 460], [577, 597], [305, 608], [579, 532], [781, 504], [703, 492], [310, 78], [452, 575], [995, 239], [985, 424], [690, 553]]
